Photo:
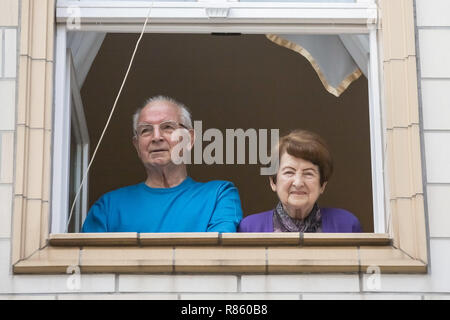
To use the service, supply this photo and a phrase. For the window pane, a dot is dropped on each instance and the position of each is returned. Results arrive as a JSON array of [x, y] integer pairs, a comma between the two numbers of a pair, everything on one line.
[[229, 82], [72, 180]]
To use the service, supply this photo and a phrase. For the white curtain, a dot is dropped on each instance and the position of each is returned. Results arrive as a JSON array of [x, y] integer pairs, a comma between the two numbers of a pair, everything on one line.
[[337, 59], [84, 47]]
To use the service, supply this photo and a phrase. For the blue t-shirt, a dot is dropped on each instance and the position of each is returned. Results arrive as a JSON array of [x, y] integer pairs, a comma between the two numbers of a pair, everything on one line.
[[189, 207]]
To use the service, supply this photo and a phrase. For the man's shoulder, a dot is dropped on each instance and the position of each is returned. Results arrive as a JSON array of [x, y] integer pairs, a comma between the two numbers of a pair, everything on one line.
[[123, 191], [215, 184]]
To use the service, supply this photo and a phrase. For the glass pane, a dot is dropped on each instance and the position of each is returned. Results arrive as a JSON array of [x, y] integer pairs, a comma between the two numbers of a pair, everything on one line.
[[72, 180]]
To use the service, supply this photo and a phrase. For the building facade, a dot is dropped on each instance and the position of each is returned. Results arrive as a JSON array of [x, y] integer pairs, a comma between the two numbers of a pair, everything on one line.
[[26, 52]]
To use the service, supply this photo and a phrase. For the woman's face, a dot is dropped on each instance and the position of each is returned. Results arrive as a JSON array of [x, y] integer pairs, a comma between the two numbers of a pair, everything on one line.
[[297, 185]]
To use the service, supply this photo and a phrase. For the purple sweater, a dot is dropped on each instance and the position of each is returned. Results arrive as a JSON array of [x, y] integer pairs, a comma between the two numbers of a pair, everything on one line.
[[333, 220]]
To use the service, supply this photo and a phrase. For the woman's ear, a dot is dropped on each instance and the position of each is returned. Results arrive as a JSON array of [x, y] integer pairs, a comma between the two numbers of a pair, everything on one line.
[[272, 184], [322, 188]]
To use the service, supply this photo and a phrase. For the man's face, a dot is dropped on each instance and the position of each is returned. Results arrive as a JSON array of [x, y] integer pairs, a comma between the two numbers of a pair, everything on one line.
[[154, 149]]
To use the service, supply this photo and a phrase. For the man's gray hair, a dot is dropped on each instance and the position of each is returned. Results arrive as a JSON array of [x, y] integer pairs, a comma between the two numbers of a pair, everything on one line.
[[185, 114]]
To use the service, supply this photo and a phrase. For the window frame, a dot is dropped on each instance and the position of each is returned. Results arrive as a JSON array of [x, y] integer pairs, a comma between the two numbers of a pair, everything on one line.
[[403, 249], [80, 131], [251, 18], [69, 118]]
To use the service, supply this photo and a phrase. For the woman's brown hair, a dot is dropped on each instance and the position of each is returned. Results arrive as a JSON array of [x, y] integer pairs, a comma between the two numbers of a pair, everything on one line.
[[308, 146]]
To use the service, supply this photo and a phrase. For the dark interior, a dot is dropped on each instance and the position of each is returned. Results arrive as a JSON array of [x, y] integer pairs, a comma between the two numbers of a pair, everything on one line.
[[241, 81]]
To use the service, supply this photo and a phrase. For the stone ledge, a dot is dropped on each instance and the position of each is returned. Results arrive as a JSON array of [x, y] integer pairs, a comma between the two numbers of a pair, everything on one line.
[[220, 259], [221, 239]]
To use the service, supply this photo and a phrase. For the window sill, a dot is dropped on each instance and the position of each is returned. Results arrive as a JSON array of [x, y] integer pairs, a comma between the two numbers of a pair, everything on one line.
[[264, 253], [216, 239]]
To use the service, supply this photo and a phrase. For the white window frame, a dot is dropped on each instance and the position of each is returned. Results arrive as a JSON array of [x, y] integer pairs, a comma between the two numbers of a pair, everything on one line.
[[207, 17], [81, 134], [69, 118]]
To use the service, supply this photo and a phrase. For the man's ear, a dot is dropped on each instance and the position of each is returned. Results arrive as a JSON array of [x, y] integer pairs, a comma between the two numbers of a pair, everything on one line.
[[192, 133], [135, 143]]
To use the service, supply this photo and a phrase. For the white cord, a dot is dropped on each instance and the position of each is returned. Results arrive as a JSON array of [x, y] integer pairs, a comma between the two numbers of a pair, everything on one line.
[[109, 119]]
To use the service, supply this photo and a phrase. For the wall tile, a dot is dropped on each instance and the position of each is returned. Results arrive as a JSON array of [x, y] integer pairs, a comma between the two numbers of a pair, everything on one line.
[[9, 12], [211, 259], [151, 259], [436, 297], [37, 94], [6, 157], [5, 210], [23, 87], [400, 27], [1, 53], [177, 283], [32, 221], [27, 297], [432, 13], [420, 230], [48, 117], [46, 172], [380, 296], [292, 259], [438, 210], [10, 53], [118, 296], [5, 260], [8, 104], [437, 280], [437, 156], [35, 164], [24, 27], [397, 93], [239, 296], [327, 296], [300, 283], [20, 166], [42, 284], [50, 30], [416, 161], [402, 166], [434, 48], [17, 219], [405, 211], [39, 30], [435, 104]]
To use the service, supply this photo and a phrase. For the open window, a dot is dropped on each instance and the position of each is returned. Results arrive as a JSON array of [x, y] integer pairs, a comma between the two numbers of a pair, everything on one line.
[[398, 244], [246, 79]]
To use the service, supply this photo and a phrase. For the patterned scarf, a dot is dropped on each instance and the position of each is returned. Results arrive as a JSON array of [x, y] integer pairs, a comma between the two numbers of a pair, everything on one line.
[[282, 222]]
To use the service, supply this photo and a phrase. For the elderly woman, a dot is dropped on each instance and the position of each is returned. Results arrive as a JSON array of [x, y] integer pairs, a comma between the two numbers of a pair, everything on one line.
[[304, 170]]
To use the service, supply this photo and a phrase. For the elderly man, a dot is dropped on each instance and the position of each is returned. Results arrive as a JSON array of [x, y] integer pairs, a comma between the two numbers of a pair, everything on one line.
[[169, 200]]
